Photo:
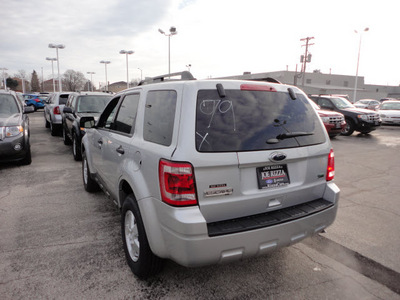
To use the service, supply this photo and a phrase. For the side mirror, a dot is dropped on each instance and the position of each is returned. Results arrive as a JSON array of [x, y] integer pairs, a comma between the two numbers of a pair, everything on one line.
[[86, 122], [67, 110], [29, 109]]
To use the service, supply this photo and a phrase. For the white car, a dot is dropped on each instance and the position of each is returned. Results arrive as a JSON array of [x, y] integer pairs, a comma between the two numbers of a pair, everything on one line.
[[367, 104], [389, 112], [52, 112]]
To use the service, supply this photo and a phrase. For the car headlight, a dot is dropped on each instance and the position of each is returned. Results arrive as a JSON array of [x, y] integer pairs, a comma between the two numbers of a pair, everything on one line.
[[13, 131], [325, 120], [363, 117]]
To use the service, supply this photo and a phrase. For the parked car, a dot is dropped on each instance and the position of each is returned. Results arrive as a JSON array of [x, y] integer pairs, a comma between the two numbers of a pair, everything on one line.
[[357, 119], [210, 171], [52, 111], [14, 129], [33, 100], [334, 122], [389, 112], [367, 104], [79, 105]]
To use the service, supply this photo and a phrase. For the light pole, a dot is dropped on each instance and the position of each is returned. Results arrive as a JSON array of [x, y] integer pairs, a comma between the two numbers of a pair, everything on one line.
[[358, 62], [91, 79], [172, 31], [59, 46], [52, 71], [106, 62], [141, 73], [4, 77], [127, 52]]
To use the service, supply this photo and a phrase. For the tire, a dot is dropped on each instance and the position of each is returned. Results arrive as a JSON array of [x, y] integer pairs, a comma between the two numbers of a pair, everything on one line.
[[66, 139], [139, 256], [46, 123], [53, 129], [89, 184], [28, 157], [76, 148], [349, 128]]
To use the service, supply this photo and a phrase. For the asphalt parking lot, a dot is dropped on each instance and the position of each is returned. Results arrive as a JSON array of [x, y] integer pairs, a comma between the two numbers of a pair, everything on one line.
[[59, 242]]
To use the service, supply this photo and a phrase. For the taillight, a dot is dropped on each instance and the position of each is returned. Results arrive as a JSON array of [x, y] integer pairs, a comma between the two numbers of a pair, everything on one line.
[[177, 183], [330, 170], [56, 110], [37, 100]]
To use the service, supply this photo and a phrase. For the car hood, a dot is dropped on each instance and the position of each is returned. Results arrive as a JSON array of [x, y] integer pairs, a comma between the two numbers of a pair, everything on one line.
[[360, 110], [90, 114], [328, 113], [12, 120]]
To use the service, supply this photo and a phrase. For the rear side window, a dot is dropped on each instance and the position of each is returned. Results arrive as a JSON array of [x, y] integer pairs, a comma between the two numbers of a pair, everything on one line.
[[254, 120], [63, 99], [159, 117]]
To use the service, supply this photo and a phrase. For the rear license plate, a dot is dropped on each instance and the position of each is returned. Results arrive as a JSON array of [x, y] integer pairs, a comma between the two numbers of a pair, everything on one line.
[[272, 176]]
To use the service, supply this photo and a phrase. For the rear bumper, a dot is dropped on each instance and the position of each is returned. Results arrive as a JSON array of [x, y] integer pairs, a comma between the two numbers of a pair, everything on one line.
[[183, 235]]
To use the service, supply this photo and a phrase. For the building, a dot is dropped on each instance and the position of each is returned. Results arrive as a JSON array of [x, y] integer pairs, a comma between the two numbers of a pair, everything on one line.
[[319, 83]]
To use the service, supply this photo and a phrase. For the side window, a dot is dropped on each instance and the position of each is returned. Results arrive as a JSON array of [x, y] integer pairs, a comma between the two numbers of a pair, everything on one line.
[[73, 102], [126, 117], [325, 103], [159, 117], [107, 116]]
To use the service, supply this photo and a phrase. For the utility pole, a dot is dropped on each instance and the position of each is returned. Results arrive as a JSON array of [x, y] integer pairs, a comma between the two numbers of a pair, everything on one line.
[[306, 58]]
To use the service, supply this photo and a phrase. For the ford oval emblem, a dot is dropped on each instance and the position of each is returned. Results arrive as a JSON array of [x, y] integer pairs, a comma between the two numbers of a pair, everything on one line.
[[277, 156]]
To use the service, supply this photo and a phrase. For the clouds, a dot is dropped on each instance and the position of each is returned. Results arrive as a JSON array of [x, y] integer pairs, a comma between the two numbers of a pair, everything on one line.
[[217, 37]]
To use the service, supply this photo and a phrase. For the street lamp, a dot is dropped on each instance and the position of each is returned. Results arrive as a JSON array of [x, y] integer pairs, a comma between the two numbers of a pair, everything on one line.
[[127, 52], [172, 31], [106, 62], [91, 79], [141, 73], [59, 46], [52, 71], [358, 62], [4, 77]]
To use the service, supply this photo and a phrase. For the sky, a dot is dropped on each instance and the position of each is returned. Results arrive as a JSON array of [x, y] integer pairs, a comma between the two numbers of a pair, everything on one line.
[[216, 37]]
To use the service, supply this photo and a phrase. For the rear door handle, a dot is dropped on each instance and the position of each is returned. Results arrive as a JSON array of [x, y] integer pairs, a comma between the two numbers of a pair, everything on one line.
[[120, 150], [100, 143]]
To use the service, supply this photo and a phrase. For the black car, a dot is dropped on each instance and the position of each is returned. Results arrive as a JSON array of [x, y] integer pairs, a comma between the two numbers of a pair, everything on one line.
[[357, 119], [79, 105], [14, 129]]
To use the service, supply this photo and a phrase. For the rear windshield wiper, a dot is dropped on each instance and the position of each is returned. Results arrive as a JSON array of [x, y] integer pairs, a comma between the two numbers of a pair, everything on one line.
[[288, 135]]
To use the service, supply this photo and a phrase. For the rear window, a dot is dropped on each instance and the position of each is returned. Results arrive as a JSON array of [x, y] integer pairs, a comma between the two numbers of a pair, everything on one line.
[[254, 120]]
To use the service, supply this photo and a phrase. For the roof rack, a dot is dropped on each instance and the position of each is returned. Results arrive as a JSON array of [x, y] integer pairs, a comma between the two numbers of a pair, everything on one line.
[[185, 75]]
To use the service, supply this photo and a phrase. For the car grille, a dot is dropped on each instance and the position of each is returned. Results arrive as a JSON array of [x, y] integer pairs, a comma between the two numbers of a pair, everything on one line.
[[372, 117], [336, 120]]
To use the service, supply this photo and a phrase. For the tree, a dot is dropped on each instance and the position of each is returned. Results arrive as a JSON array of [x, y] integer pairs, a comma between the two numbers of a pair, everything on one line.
[[73, 80], [11, 83], [35, 86]]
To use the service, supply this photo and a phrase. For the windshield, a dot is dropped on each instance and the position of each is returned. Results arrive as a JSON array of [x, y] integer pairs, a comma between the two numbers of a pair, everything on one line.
[[92, 104], [390, 106], [8, 105], [254, 120], [342, 103]]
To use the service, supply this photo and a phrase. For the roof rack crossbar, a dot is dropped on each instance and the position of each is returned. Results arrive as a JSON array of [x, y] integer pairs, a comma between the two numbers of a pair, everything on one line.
[[185, 75]]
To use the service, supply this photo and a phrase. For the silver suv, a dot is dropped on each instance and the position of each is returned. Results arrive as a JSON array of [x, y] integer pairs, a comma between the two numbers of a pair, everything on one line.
[[52, 112], [210, 171]]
